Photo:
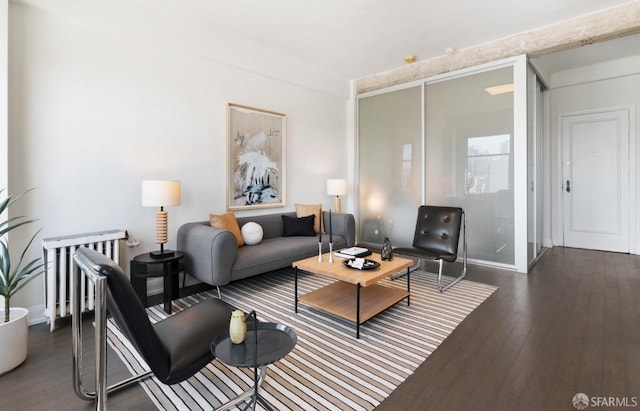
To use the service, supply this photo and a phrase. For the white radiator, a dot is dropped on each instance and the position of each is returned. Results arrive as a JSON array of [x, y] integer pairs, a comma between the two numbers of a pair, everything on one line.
[[57, 254]]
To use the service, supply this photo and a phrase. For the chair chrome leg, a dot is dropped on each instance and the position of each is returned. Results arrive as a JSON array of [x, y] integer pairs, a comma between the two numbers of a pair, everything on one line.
[[457, 279], [452, 283], [100, 346], [440, 261], [464, 259], [100, 394]]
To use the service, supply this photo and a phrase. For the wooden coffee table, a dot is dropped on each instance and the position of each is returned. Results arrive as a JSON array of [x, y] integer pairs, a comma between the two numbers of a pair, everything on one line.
[[356, 296]]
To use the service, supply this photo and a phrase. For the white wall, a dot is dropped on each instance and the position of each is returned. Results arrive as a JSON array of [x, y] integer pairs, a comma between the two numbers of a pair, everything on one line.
[[610, 84], [93, 112], [4, 79]]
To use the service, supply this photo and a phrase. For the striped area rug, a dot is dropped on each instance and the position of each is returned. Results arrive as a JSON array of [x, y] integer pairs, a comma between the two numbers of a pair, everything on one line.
[[329, 369]]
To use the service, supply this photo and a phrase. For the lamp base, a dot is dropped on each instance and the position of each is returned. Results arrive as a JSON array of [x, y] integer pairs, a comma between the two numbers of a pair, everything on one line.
[[161, 254], [338, 204]]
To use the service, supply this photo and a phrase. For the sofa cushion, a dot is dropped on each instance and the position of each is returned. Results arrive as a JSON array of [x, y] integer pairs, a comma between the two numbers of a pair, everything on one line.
[[227, 221], [276, 253], [302, 226], [303, 210]]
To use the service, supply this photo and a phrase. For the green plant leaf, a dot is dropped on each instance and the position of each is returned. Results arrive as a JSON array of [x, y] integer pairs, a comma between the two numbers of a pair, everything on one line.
[[15, 277]]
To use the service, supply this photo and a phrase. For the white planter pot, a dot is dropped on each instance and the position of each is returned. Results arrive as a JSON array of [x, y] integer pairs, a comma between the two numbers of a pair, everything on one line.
[[13, 339]]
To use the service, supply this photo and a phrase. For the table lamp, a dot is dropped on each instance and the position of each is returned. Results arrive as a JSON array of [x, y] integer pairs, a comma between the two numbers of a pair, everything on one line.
[[337, 187], [161, 193]]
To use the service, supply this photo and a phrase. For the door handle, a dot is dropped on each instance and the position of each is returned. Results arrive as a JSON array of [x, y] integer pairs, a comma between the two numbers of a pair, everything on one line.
[[568, 186]]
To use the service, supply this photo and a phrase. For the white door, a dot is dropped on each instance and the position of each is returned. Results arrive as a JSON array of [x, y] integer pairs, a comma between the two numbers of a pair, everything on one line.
[[596, 180]]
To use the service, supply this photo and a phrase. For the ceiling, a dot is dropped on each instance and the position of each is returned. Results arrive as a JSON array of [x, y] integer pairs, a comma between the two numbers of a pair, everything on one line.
[[353, 38]]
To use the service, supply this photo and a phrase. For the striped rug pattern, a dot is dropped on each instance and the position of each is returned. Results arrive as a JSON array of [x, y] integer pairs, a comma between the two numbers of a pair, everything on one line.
[[329, 369]]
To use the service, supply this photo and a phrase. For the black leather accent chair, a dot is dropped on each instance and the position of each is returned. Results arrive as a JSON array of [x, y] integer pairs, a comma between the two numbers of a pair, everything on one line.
[[174, 348], [436, 238]]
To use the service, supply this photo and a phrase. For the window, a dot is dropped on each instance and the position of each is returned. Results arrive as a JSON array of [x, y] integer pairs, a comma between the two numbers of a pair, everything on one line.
[[488, 164]]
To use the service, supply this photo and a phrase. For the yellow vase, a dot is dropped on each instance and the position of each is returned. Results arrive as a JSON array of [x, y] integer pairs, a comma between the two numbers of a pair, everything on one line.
[[237, 327]]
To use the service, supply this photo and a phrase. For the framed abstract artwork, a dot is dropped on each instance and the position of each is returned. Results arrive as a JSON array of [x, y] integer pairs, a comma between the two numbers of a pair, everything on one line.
[[256, 158]]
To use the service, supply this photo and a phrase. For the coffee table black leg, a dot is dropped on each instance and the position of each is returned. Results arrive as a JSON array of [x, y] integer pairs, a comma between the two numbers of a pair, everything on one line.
[[296, 290], [408, 287], [358, 310]]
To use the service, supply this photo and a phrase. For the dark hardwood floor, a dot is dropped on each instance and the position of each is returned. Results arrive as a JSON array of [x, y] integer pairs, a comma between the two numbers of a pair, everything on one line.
[[571, 325]]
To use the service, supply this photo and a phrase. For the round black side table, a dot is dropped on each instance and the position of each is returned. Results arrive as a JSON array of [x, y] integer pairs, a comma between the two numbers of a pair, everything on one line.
[[144, 266], [274, 341]]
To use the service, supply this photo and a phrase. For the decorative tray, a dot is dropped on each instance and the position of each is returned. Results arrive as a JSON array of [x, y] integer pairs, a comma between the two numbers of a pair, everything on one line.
[[367, 265]]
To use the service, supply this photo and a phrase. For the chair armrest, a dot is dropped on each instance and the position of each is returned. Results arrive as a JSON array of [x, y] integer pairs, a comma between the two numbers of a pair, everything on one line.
[[210, 253]]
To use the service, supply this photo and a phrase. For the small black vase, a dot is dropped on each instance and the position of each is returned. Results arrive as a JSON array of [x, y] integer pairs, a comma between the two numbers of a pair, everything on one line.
[[387, 251]]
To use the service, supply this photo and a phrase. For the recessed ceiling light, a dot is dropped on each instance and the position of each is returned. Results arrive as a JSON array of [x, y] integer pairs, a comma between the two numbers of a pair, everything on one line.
[[501, 89]]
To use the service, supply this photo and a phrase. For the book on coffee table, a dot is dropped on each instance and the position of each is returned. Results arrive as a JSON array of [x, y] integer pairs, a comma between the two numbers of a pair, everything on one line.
[[353, 252]]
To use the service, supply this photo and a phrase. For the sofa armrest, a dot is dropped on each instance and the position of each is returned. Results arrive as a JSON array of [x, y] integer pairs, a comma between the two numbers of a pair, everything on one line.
[[210, 253], [343, 224]]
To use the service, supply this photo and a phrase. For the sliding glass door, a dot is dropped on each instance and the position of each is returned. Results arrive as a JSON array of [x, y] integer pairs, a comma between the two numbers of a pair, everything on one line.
[[469, 157], [534, 166], [389, 166], [461, 139]]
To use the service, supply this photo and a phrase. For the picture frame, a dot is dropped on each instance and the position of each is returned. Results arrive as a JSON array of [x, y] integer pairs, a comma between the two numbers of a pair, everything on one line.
[[256, 150]]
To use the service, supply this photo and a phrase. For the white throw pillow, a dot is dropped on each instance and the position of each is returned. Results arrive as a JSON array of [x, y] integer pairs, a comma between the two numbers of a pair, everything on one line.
[[251, 233]]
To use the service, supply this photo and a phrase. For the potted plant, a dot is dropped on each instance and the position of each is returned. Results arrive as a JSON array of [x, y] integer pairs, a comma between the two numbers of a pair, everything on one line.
[[13, 277]]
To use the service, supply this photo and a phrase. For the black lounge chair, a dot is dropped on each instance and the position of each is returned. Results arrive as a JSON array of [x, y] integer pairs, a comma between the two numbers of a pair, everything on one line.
[[436, 238], [175, 348]]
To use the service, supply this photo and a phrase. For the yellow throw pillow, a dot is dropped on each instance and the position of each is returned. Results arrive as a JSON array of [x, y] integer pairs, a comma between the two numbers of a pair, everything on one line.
[[303, 210], [227, 221]]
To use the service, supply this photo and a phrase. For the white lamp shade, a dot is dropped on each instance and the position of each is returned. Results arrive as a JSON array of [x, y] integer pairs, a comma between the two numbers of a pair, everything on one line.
[[336, 187], [160, 193]]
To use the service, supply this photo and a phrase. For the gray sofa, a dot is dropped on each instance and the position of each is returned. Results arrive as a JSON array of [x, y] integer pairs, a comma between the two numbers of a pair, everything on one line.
[[213, 256]]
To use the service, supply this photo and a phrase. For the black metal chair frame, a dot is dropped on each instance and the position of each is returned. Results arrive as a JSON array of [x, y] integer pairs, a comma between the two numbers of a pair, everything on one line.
[[433, 256]]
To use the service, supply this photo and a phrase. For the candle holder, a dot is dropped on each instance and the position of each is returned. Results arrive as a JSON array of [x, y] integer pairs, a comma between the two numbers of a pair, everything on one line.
[[330, 252], [319, 252]]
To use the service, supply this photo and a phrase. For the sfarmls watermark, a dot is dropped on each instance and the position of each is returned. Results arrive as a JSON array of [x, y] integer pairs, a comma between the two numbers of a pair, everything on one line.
[[582, 401]]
